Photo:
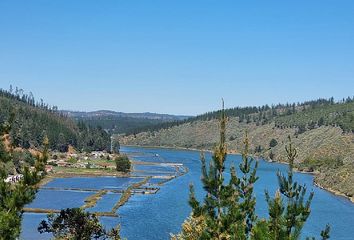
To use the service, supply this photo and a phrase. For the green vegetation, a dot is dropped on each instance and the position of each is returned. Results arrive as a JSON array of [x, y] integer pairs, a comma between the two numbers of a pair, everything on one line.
[[122, 163], [318, 128], [228, 209], [273, 143], [76, 224], [118, 122], [302, 116], [34, 120], [336, 114], [115, 146], [310, 164], [14, 195]]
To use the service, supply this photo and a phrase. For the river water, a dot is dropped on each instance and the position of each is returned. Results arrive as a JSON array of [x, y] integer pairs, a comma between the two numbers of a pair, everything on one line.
[[155, 216]]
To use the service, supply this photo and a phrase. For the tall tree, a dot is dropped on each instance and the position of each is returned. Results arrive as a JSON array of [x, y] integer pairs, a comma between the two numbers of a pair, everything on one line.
[[228, 209], [290, 208], [14, 195], [122, 163], [76, 224]]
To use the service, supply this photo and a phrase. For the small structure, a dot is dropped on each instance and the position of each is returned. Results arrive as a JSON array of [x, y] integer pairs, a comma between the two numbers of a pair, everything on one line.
[[48, 168], [62, 163]]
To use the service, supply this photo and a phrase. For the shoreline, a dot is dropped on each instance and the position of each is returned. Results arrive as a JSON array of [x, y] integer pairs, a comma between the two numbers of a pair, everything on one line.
[[334, 192], [233, 152]]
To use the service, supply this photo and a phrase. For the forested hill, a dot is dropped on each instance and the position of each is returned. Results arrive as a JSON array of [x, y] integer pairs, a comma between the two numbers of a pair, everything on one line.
[[322, 130], [119, 122], [35, 119], [302, 116]]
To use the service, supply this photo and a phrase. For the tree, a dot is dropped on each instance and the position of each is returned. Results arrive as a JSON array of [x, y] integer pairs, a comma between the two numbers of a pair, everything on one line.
[[258, 149], [13, 196], [76, 224], [228, 209], [62, 144], [321, 122], [115, 146], [273, 143], [122, 163], [32, 119], [287, 214]]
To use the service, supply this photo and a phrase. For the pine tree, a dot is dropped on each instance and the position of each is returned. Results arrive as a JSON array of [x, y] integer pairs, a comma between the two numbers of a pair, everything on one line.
[[228, 207], [13, 196], [287, 214]]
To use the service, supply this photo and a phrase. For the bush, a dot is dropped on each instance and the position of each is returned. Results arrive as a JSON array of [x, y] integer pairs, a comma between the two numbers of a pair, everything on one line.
[[319, 163], [273, 143], [258, 149], [122, 163], [72, 160]]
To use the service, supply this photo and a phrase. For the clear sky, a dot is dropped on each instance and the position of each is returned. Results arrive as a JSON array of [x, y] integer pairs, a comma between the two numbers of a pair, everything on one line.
[[175, 56]]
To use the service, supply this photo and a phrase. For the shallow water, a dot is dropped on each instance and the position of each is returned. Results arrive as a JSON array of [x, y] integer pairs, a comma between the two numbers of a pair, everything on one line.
[[106, 203], [56, 200], [95, 183], [154, 168], [156, 216]]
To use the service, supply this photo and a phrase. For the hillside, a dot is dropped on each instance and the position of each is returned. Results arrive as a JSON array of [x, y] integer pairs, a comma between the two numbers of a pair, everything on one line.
[[33, 120], [119, 122], [323, 133]]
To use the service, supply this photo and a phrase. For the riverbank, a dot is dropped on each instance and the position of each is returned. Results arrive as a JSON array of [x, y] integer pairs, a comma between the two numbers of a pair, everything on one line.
[[337, 193]]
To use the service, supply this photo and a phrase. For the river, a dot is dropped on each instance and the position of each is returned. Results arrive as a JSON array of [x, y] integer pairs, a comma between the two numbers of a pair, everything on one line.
[[155, 216]]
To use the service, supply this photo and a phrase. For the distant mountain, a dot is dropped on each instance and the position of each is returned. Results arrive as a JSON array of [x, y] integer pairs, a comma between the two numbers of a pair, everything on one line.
[[120, 122], [105, 113]]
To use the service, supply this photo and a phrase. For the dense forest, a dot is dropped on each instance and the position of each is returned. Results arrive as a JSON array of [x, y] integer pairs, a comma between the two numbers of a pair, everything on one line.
[[302, 116], [120, 122], [31, 120], [117, 124]]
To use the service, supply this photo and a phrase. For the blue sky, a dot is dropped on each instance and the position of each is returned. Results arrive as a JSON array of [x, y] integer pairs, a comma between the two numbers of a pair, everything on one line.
[[177, 56]]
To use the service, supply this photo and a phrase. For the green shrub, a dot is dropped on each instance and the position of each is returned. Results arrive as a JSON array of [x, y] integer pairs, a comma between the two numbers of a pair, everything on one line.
[[122, 163], [273, 143]]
